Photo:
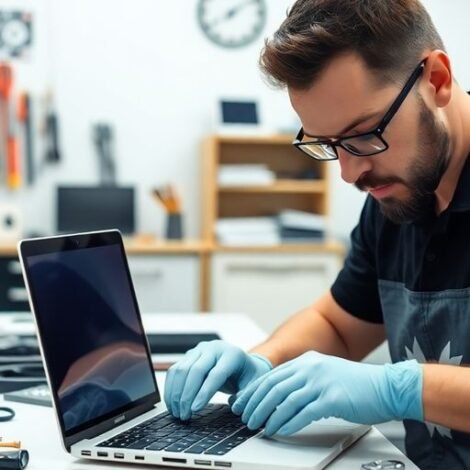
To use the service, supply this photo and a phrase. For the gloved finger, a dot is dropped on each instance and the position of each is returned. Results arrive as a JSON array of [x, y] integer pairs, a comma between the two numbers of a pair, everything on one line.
[[289, 408], [218, 375], [241, 398], [175, 380], [231, 399], [269, 402], [194, 380], [312, 412], [255, 392]]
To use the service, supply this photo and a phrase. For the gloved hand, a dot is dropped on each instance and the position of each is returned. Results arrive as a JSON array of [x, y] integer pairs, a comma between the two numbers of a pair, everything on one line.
[[209, 367], [315, 386]]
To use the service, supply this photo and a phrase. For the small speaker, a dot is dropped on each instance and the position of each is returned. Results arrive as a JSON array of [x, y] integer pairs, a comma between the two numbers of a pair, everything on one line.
[[11, 224]]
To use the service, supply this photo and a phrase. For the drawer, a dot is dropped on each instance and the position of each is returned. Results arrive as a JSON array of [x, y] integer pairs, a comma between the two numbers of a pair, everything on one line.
[[270, 286], [166, 283], [13, 295]]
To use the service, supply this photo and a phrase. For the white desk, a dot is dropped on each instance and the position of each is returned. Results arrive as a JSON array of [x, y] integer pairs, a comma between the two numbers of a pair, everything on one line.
[[35, 426]]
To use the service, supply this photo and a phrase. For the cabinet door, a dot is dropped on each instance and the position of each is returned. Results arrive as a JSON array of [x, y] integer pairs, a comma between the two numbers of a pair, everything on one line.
[[270, 287], [166, 283]]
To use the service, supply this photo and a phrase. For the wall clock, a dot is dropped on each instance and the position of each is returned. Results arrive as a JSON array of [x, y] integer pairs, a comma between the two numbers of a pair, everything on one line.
[[232, 23]]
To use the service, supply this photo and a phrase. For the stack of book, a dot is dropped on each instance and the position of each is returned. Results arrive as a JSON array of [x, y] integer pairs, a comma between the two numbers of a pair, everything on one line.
[[248, 231], [301, 227], [245, 174]]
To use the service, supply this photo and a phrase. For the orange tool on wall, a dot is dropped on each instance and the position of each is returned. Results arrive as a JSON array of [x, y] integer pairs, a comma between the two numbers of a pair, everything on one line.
[[8, 128]]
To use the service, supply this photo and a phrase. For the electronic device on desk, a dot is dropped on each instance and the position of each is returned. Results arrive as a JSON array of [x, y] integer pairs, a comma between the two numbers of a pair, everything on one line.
[[38, 395], [88, 208]]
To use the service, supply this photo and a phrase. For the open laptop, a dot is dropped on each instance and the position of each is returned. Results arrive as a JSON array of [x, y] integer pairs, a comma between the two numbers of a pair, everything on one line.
[[99, 370]]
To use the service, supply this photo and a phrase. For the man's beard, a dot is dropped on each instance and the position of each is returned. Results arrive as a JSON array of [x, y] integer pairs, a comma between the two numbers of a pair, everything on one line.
[[424, 174]]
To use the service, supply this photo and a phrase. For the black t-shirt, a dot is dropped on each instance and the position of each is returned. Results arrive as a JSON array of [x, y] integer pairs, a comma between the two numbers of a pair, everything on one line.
[[415, 279]]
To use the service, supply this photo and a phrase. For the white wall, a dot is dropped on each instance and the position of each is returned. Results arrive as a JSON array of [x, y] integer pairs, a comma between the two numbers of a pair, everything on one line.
[[145, 67]]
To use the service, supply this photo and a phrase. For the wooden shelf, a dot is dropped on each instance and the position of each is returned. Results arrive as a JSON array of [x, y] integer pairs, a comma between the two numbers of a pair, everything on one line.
[[280, 186], [140, 246], [320, 247]]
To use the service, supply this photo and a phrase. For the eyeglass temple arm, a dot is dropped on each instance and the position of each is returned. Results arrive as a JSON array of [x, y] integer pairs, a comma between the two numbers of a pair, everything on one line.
[[397, 103]]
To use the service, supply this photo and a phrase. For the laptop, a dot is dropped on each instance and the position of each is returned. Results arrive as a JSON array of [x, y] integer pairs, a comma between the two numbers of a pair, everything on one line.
[[99, 370]]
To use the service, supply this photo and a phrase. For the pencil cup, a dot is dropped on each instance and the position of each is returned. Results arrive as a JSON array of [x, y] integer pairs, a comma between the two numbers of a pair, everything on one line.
[[174, 226]]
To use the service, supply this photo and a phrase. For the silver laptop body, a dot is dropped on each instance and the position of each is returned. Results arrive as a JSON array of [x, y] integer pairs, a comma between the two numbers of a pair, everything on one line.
[[100, 373]]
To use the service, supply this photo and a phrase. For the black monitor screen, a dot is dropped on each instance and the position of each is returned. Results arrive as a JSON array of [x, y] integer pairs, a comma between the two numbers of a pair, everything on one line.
[[91, 333], [81, 209], [239, 112]]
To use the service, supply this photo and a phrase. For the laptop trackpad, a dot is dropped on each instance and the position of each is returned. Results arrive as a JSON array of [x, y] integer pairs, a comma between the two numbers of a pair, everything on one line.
[[324, 433]]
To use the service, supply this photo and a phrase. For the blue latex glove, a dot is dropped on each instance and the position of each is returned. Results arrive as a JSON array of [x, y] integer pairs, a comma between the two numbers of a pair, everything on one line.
[[209, 367], [315, 386]]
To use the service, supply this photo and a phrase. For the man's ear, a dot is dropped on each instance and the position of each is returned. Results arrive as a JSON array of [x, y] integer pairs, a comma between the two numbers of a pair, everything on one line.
[[439, 77]]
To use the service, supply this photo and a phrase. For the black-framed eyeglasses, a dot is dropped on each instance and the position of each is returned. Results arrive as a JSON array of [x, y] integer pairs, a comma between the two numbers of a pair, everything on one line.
[[361, 145]]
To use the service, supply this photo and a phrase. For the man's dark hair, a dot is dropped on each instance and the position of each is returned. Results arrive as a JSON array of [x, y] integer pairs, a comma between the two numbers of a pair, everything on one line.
[[389, 35]]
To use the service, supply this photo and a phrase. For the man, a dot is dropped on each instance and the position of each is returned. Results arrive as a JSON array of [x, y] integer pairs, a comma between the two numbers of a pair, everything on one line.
[[373, 87]]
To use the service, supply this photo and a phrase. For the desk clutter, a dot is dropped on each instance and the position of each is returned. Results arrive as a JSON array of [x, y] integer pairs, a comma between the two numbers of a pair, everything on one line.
[[22, 377]]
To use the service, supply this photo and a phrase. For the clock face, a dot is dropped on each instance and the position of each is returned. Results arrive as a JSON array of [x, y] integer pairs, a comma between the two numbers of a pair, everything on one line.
[[232, 23]]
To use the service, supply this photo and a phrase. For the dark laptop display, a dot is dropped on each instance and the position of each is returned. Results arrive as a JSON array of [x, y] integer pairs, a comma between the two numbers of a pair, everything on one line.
[[90, 326]]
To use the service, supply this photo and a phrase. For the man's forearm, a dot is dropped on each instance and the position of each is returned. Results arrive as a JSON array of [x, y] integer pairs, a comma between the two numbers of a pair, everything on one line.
[[445, 395], [306, 330]]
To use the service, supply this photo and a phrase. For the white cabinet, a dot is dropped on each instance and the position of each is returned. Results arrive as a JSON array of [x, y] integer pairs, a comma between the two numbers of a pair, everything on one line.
[[166, 283], [270, 286]]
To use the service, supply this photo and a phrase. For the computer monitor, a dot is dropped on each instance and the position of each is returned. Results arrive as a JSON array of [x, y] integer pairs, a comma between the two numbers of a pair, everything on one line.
[[239, 112], [87, 208]]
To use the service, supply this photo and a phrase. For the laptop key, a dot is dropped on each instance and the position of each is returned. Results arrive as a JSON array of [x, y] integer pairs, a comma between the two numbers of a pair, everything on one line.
[[157, 446], [196, 449], [176, 447]]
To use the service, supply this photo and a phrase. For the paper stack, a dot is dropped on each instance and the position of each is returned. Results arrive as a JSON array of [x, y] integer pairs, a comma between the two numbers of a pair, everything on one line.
[[248, 231], [245, 174], [301, 227]]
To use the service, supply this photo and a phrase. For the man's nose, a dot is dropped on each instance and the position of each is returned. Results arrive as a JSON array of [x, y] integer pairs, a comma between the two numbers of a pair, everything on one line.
[[352, 167]]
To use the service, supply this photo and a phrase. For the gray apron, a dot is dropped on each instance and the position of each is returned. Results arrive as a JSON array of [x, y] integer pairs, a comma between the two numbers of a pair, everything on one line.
[[429, 327]]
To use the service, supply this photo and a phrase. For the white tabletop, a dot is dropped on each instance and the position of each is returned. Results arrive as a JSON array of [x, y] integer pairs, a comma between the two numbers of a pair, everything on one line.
[[35, 426]]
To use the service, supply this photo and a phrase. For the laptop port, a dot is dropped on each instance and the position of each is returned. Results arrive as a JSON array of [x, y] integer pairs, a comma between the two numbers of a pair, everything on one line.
[[139, 457], [202, 462], [223, 464], [102, 454], [118, 455], [169, 459], [86, 453]]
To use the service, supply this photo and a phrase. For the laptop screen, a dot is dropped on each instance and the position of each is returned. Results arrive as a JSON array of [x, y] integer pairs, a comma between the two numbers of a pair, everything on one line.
[[91, 333]]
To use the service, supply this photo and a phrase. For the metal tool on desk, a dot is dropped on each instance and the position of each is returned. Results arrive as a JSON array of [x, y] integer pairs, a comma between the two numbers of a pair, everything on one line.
[[16, 459], [383, 465]]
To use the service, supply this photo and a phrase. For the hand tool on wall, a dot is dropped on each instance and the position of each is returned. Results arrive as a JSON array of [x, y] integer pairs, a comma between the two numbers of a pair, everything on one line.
[[4, 79], [103, 140], [25, 117], [51, 130], [11, 148]]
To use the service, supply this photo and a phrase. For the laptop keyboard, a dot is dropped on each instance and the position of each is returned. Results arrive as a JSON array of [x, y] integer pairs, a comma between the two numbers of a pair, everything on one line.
[[215, 430]]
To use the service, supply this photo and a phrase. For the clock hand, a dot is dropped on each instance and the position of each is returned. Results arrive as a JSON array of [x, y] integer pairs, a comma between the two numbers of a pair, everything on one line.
[[231, 13]]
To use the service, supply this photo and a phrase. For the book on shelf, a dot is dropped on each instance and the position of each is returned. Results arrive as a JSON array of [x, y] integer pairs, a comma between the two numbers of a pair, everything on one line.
[[247, 231], [245, 174], [301, 227]]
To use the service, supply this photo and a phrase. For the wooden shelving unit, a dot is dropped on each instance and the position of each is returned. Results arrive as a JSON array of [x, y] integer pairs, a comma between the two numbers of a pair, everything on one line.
[[288, 191]]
